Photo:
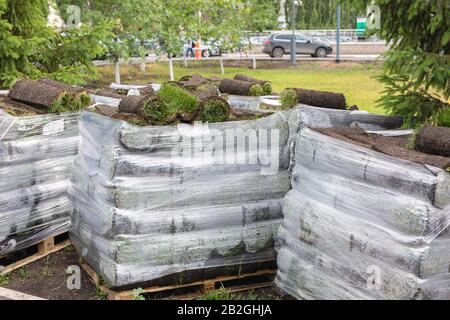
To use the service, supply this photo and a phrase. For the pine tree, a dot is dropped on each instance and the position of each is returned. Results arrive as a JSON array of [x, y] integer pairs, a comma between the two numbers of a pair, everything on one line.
[[416, 74], [30, 48]]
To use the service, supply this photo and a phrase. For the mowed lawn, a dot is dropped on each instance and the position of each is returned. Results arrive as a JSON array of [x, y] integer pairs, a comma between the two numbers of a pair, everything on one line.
[[355, 80]]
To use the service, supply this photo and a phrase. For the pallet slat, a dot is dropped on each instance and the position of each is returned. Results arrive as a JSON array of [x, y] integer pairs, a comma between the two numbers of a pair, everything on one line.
[[45, 248], [7, 294], [206, 286]]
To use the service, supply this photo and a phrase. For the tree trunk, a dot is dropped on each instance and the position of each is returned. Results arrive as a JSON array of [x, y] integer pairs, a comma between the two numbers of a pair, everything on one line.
[[143, 65], [117, 72]]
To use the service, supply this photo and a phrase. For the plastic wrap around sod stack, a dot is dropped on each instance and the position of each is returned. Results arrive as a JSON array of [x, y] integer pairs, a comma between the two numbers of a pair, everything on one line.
[[362, 225], [150, 204], [36, 156]]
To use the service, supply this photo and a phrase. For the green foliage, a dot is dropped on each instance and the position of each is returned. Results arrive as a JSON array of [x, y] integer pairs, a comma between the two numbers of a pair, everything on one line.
[[137, 294], [221, 294], [4, 280], [29, 48], [23, 272], [321, 14], [288, 99], [100, 294], [442, 118], [417, 67]]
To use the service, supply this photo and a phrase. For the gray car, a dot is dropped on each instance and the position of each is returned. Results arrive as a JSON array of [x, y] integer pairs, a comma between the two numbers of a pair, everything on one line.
[[279, 44]]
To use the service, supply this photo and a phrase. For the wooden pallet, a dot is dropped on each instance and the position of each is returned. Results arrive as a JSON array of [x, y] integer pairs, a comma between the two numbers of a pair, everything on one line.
[[44, 248], [7, 294], [202, 287]]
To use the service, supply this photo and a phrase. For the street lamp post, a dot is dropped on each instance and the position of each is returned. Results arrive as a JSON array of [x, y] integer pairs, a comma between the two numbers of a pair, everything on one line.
[[295, 4], [338, 34]]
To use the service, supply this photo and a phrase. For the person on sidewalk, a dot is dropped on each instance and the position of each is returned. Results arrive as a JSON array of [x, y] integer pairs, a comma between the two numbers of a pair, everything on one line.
[[190, 49]]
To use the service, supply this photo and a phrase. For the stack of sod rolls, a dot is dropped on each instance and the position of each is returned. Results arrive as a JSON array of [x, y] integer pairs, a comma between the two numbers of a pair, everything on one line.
[[151, 210], [36, 156], [359, 224], [175, 103]]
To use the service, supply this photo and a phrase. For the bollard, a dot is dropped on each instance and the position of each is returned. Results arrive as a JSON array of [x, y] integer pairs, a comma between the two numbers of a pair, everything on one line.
[[254, 63]]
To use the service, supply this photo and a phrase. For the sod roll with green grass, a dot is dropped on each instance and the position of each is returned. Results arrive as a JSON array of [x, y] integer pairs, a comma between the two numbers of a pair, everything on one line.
[[215, 109], [49, 95], [266, 85], [240, 88]]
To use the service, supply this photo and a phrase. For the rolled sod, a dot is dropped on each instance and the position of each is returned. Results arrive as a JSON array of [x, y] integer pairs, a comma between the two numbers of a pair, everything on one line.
[[241, 88], [132, 104], [434, 140], [147, 91], [266, 85], [215, 109], [155, 110], [49, 96], [60, 85], [322, 99], [106, 110]]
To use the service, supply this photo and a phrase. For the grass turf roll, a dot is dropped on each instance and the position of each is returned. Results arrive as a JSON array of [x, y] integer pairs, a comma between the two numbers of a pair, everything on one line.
[[49, 95], [215, 109], [288, 99], [265, 85], [241, 88], [322, 99], [434, 140], [132, 104]]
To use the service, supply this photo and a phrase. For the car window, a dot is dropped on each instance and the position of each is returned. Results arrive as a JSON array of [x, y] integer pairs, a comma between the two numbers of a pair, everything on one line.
[[283, 37], [301, 38]]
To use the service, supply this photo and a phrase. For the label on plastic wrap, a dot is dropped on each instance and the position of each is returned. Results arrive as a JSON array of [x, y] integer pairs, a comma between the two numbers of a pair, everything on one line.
[[53, 127]]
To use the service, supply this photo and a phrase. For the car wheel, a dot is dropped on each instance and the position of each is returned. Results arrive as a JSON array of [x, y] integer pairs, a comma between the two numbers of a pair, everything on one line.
[[278, 53], [206, 53], [321, 53]]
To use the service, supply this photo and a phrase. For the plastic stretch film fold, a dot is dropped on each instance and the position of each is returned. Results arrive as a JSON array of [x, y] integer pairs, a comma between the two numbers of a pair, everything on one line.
[[36, 156], [363, 225], [144, 209]]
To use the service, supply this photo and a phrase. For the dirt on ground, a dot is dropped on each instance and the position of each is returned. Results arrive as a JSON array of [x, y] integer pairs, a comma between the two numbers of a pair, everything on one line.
[[47, 278]]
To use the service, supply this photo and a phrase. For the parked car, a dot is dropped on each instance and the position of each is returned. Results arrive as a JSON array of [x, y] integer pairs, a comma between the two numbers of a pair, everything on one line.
[[208, 50], [279, 44]]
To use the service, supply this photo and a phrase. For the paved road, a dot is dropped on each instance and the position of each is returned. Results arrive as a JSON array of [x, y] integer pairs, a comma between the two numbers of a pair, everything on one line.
[[258, 57]]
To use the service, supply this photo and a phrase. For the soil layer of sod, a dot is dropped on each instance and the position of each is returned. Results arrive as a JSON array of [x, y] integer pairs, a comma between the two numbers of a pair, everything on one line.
[[392, 146]]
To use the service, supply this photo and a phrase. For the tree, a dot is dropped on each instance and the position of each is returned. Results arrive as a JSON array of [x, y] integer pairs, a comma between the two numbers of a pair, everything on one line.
[[321, 14], [30, 48], [417, 67]]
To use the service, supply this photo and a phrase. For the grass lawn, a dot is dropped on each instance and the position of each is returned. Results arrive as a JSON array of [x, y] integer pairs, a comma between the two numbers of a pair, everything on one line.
[[355, 80]]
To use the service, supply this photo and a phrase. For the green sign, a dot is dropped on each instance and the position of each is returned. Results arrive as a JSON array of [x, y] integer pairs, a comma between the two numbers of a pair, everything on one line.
[[361, 26]]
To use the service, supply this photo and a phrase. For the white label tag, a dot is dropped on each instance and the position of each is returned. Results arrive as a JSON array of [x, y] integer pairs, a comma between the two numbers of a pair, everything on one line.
[[53, 127]]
